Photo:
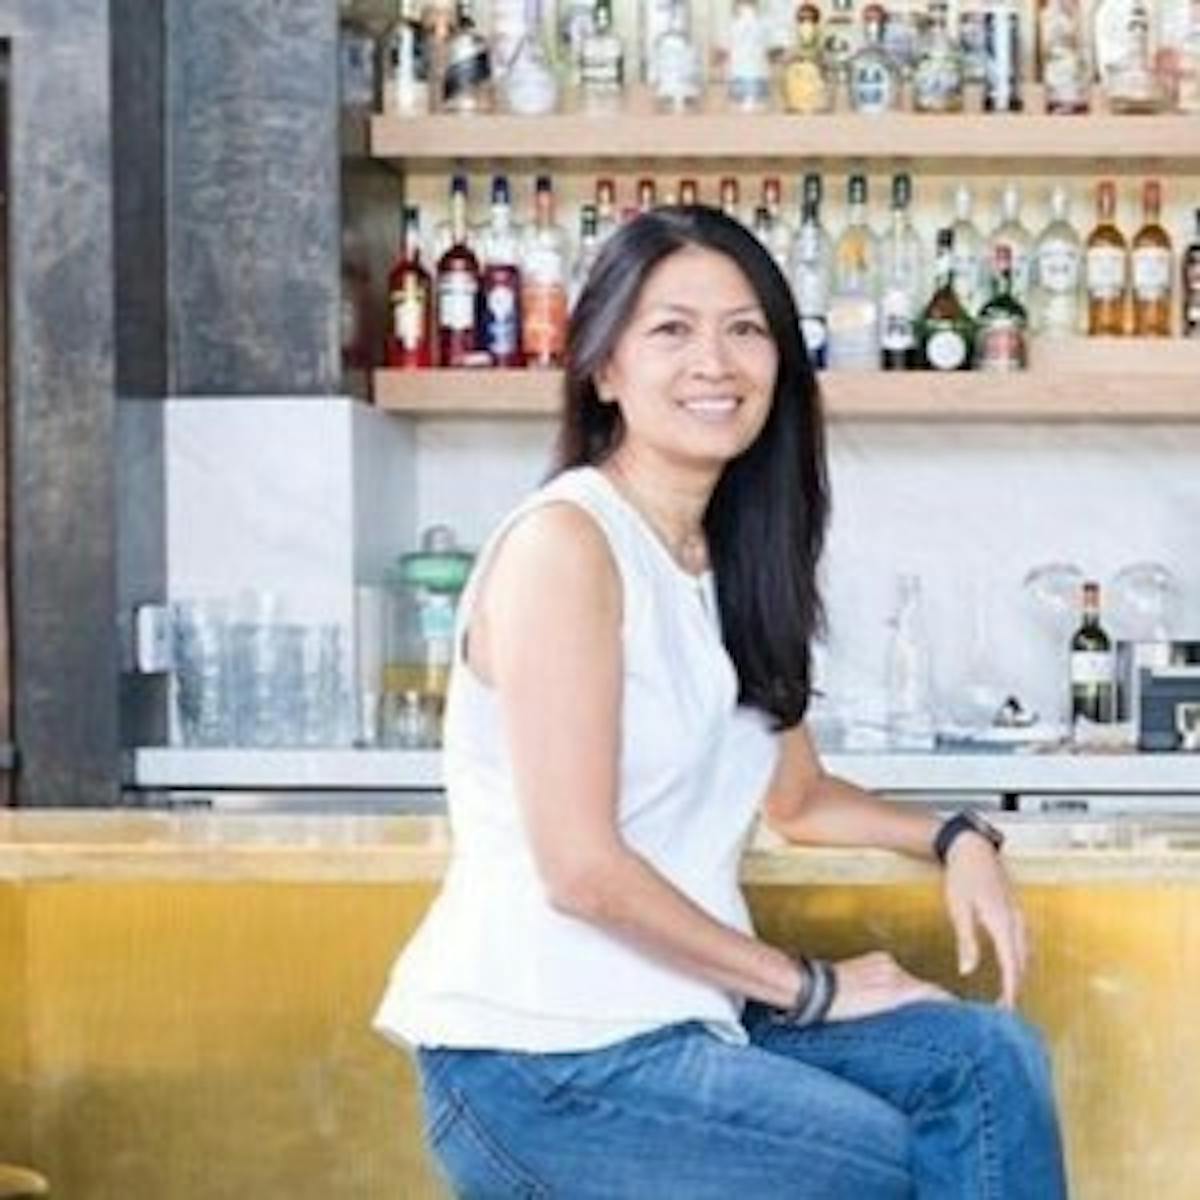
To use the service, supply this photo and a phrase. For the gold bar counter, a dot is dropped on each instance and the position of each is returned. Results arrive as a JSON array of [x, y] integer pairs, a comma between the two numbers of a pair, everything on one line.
[[185, 998]]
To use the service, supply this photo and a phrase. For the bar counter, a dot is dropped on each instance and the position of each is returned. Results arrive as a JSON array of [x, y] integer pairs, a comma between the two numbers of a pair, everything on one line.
[[185, 997]]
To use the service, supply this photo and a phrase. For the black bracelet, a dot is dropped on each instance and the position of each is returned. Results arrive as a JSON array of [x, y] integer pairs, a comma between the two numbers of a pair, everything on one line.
[[818, 987], [966, 821]]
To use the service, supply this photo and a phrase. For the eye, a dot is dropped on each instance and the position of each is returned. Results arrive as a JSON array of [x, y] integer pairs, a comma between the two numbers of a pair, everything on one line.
[[749, 327], [670, 328]]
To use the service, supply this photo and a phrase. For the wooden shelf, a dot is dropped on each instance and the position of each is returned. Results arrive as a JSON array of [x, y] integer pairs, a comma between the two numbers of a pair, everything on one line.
[[1113, 380], [1159, 144]]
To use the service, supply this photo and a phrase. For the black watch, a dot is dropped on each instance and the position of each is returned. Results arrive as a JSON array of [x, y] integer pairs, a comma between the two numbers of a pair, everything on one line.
[[966, 821]]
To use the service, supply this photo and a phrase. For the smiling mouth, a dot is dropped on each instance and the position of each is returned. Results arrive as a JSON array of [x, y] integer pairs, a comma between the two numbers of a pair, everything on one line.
[[712, 408]]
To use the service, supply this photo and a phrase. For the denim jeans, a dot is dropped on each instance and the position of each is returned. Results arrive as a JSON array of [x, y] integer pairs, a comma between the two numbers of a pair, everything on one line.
[[940, 1101]]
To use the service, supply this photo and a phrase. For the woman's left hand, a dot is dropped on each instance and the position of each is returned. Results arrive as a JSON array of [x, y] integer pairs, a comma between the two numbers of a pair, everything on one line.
[[979, 894]]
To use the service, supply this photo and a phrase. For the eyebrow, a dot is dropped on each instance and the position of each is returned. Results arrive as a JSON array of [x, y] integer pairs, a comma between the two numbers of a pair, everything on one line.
[[687, 310]]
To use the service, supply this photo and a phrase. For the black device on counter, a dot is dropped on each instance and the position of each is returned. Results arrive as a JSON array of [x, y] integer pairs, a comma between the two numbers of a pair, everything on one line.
[[1167, 709]]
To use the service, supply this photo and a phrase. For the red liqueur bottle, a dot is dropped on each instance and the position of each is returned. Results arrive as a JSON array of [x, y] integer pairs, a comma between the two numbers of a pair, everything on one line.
[[458, 288], [408, 342]]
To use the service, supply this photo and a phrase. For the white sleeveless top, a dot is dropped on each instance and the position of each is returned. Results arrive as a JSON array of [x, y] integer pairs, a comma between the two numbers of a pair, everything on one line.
[[493, 964]]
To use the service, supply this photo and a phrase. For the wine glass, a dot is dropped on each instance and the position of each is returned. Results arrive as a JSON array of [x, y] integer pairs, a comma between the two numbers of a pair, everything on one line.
[[1052, 590], [1145, 601]]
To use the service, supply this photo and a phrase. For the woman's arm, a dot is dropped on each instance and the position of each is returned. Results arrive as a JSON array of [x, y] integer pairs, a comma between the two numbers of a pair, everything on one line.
[[547, 636]]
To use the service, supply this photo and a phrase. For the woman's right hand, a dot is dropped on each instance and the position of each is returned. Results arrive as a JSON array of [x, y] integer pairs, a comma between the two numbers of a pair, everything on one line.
[[875, 983]]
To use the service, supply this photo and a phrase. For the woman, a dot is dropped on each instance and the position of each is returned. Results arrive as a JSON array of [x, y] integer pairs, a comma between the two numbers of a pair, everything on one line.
[[593, 1014]]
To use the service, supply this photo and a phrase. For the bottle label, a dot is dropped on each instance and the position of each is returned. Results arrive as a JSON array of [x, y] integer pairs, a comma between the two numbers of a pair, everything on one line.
[[968, 274], [677, 70], [1002, 346], [811, 292], [1152, 273], [804, 87], [897, 328], [457, 295], [813, 329], [1002, 48], [1065, 77], [408, 314], [853, 330], [1058, 266], [938, 84], [871, 87], [543, 320], [1090, 667], [1105, 272], [500, 325], [468, 68], [946, 350]]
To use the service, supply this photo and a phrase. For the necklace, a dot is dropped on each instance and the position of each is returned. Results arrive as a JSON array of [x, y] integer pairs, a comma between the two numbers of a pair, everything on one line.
[[689, 549]]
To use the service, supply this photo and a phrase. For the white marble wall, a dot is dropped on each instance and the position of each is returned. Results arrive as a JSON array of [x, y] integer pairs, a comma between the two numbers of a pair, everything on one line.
[[969, 507]]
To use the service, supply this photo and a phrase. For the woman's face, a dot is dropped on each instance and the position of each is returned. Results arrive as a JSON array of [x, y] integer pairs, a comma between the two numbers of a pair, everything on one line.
[[694, 370]]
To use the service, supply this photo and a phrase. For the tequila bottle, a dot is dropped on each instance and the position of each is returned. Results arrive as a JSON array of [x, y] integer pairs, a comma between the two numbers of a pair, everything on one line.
[[946, 331], [1013, 234], [467, 80], [530, 83], [854, 303], [1124, 57], [807, 87], [1063, 56], [602, 64], [749, 85], [1153, 269], [938, 78], [404, 54], [544, 279], [839, 42], [677, 78], [970, 253], [809, 274], [874, 77], [1057, 272], [1106, 268], [902, 277]]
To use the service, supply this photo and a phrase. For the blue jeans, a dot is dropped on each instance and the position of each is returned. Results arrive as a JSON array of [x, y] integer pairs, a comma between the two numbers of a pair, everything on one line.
[[941, 1101]]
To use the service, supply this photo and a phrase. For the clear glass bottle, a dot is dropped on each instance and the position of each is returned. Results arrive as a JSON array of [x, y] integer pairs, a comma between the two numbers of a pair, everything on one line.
[[970, 253], [647, 195], [807, 87], [602, 64], [677, 75], [1106, 268], [1062, 54], [908, 673], [544, 279], [1058, 272], [408, 343], [530, 82], [902, 280], [1013, 234], [589, 250], [749, 84], [1002, 56], [905, 28], [404, 62], [1002, 327], [938, 77], [606, 208], [576, 20], [874, 78], [467, 79], [1190, 264], [854, 303], [1152, 268], [946, 330], [500, 254], [779, 232], [1187, 83], [840, 39], [809, 272], [689, 192], [729, 198], [1131, 84]]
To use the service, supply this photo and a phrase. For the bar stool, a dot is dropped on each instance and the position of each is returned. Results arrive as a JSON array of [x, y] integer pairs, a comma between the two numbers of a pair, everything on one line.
[[19, 1182]]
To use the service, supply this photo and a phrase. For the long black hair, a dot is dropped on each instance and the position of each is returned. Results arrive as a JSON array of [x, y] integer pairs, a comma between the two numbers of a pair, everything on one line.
[[766, 521]]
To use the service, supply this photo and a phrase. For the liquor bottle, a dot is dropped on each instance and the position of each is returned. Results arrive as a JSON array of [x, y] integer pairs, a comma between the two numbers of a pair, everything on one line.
[[1066, 75], [408, 342], [654, 18], [689, 192], [602, 64], [807, 87], [902, 275], [1106, 269], [443, 234], [1001, 336], [854, 305], [1093, 666], [499, 248], [606, 208], [589, 250], [677, 76], [938, 76], [1174, 18], [1152, 269], [729, 198], [749, 86], [1013, 234], [946, 331], [971, 44], [1124, 57], [404, 56], [647, 195], [1057, 272], [508, 21], [970, 253], [1190, 264], [874, 78], [839, 42], [530, 83], [778, 231], [904, 31], [544, 283], [576, 20], [467, 80], [809, 272], [458, 288], [1187, 78], [1002, 57]]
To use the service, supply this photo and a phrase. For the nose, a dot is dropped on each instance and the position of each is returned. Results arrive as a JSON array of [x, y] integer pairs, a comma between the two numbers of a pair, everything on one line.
[[710, 357]]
